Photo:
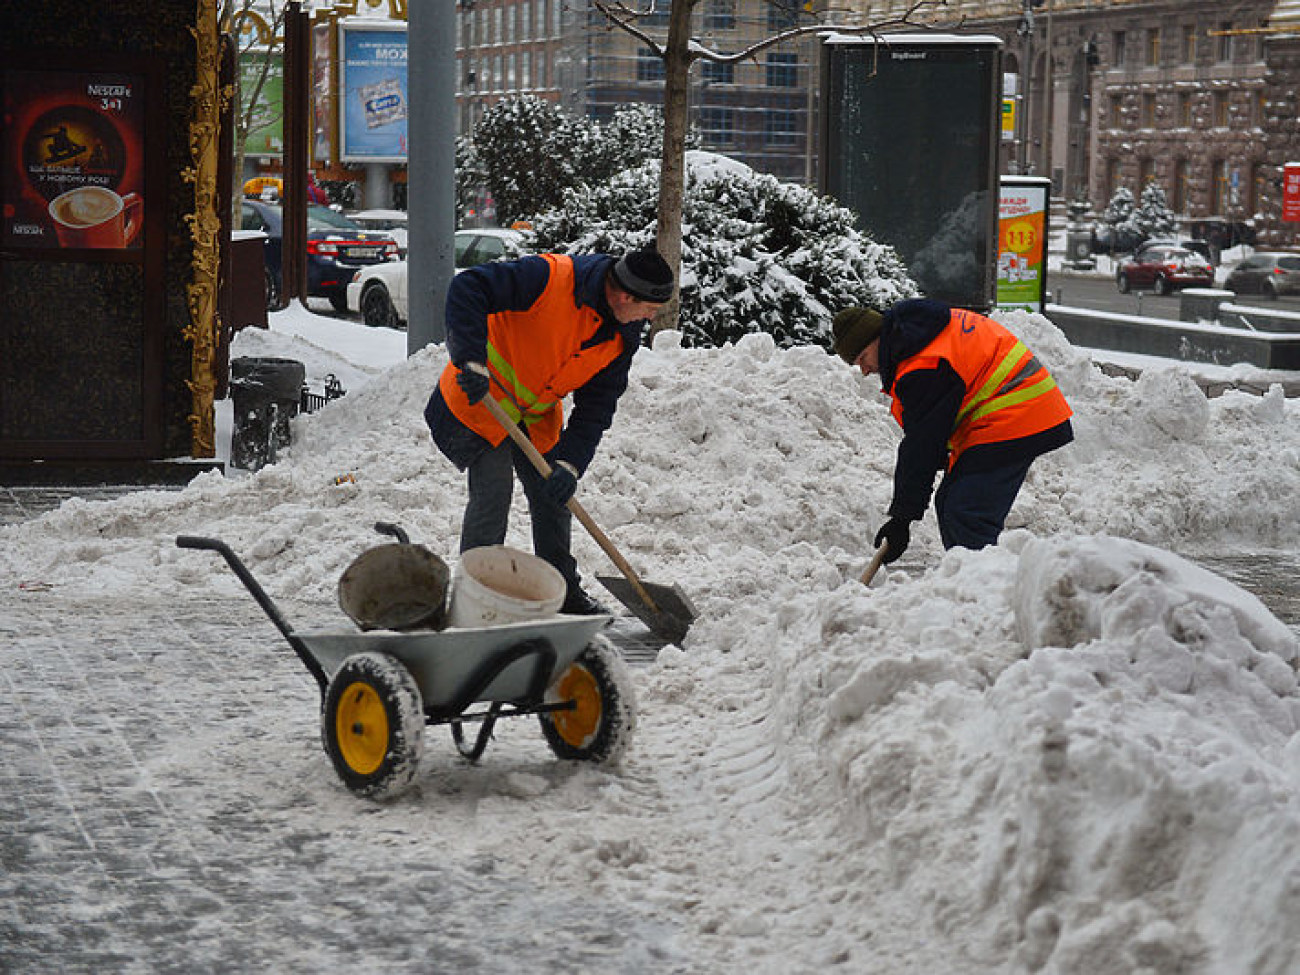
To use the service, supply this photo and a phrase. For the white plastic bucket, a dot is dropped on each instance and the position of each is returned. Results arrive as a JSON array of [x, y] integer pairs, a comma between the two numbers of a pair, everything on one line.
[[497, 584]]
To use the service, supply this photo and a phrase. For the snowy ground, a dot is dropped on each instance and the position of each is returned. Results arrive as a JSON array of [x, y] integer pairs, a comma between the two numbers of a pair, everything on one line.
[[1074, 753]]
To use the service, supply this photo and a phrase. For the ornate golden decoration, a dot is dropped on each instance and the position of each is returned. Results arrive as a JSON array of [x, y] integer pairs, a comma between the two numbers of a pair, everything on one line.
[[207, 101]]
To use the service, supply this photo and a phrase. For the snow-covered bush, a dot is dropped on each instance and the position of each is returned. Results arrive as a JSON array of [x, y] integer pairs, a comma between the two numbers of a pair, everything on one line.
[[528, 151], [1153, 216], [758, 255]]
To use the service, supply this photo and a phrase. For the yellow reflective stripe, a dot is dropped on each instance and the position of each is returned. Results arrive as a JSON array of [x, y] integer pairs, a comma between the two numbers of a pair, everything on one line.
[[521, 403], [1043, 385], [994, 382]]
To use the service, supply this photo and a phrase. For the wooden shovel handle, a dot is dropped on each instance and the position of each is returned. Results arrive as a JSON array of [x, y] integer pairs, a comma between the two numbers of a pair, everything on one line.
[[877, 561], [579, 512]]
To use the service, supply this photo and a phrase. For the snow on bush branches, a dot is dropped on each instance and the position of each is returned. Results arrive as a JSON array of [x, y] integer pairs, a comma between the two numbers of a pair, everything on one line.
[[758, 255]]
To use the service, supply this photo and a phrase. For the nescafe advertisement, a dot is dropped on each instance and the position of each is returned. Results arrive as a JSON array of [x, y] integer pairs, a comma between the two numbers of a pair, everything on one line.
[[73, 148]]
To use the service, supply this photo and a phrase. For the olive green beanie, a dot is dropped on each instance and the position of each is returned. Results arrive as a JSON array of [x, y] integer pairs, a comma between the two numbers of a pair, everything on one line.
[[854, 329]]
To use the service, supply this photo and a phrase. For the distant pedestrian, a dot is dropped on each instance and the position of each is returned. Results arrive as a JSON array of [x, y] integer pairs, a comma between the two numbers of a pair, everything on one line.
[[529, 333], [972, 400]]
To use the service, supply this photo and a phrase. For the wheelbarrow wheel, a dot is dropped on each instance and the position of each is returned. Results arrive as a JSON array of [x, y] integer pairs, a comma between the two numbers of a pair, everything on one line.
[[599, 727], [372, 725]]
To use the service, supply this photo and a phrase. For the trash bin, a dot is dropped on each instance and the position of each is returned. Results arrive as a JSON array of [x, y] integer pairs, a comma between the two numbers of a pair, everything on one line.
[[266, 394]]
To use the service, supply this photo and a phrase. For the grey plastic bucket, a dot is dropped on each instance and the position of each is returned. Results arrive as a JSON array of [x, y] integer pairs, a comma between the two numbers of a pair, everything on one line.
[[396, 587]]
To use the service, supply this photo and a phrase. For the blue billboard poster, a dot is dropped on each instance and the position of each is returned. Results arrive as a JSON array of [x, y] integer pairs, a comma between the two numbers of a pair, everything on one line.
[[372, 86]]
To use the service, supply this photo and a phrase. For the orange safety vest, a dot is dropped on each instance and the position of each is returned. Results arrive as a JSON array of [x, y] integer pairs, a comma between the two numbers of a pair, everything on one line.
[[536, 358], [1009, 394]]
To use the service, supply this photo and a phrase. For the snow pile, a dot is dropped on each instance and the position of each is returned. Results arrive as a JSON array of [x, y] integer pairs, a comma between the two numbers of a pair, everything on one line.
[[1074, 753]]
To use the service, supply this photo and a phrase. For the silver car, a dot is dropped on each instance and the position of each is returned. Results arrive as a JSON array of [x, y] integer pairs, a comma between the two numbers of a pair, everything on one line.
[[378, 292], [1267, 273]]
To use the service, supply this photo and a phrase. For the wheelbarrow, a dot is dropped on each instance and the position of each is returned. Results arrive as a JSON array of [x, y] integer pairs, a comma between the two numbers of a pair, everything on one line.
[[379, 689]]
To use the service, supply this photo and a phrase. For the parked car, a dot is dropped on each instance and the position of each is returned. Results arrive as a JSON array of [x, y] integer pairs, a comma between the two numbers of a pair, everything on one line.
[[1201, 247], [1267, 273], [392, 222], [1163, 268], [378, 293], [336, 249]]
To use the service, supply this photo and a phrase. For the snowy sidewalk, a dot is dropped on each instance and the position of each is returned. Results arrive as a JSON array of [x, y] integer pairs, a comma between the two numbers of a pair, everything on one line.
[[148, 830]]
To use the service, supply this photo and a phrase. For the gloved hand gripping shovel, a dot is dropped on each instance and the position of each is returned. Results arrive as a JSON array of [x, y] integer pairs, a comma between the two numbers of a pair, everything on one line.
[[666, 610]]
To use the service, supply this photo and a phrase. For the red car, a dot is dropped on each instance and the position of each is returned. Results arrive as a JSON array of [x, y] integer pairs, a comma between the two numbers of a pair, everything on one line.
[[1163, 268]]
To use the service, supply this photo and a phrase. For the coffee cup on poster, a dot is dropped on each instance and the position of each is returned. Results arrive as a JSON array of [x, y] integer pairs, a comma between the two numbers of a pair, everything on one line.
[[95, 216]]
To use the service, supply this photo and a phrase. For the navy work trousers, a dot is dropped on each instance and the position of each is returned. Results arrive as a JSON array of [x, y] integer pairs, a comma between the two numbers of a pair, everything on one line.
[[973, 507], [491, 484]]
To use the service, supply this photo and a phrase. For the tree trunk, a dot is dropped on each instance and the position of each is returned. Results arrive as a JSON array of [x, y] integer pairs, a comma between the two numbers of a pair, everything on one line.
[[672, 172]]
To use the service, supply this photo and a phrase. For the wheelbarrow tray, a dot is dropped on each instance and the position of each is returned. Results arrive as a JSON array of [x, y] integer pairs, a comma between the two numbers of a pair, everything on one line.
[[446, 664]]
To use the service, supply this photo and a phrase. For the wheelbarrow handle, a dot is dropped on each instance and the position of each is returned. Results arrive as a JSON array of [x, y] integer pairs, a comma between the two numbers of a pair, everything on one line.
[[237, 566], [268, 605]]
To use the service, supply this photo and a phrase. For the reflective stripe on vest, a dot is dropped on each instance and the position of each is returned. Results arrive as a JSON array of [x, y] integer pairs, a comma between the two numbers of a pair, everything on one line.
[[1009, 394], [536, 357]]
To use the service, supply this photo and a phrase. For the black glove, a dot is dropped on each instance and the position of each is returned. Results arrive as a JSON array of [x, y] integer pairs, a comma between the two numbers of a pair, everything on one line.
[[897, 533], [559, 487], [475, 384]]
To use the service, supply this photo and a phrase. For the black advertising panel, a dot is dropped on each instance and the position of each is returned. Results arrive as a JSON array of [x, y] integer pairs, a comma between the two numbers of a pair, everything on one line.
[[909, 130]]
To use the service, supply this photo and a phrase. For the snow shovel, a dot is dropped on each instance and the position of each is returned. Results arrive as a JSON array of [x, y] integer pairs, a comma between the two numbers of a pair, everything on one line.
[[666, 610], [877, 561]]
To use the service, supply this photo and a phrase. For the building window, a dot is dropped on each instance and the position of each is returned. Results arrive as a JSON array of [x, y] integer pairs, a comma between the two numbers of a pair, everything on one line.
[[1178, 202], [1224, 52], [780, 128], [1117, 111], [1117, 47], [498, 34], [525, 70], [1148, 111], [717, 126], [510, 24], [649, 66], [526, 21], [657, 16], [1189, 43], [1146, 173], [1112, 177], [782, 70], [720, 15], [719, 72], [1185, 109], [781, 16], [1220, 109], [1153, 47], [1219, 188]]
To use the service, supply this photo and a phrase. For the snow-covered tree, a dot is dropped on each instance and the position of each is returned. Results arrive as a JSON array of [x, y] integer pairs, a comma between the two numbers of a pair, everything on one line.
[[1120, 216], [758, 255], [528, 151], [680, 47], [1153, 217]]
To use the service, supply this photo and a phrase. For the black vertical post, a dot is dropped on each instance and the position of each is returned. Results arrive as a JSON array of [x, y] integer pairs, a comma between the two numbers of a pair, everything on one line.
[[297, 126]]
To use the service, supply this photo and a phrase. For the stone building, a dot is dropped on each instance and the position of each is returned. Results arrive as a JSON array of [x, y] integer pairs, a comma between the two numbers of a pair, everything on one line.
[[1195, 95]]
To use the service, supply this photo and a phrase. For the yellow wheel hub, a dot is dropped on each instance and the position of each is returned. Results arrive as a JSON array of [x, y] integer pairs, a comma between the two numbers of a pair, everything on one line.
[[361, 726], [578, 726]]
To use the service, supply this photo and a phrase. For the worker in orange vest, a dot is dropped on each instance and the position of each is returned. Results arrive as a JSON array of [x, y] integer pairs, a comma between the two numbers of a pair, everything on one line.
[[972, 400], [528, 333]]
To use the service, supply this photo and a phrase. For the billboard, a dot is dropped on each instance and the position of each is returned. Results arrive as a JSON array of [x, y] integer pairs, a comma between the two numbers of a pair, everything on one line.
[[1022, 242], [1291, 192], [258, 66], [322, 93], [73, 148], [910, 127], [372, 91]]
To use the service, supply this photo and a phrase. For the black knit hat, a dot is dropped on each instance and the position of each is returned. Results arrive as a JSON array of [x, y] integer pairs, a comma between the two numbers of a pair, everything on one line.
[[854, 329], [645, 275]]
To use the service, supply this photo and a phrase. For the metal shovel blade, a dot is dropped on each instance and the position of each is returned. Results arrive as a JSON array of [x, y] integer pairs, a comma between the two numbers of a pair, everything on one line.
[[675, 612]]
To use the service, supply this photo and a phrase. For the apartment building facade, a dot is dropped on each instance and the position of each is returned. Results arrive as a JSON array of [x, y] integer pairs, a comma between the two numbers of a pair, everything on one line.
[[760, 111], [1197, 96]]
